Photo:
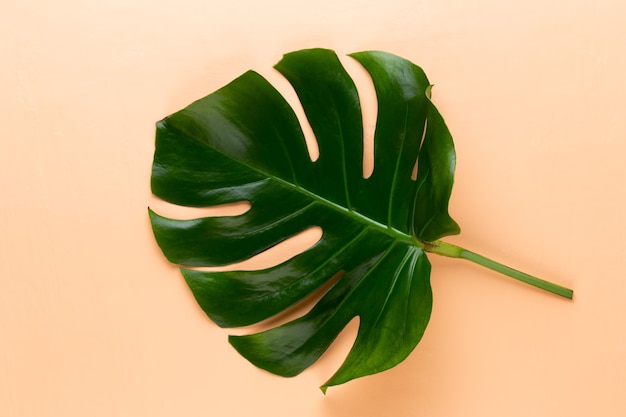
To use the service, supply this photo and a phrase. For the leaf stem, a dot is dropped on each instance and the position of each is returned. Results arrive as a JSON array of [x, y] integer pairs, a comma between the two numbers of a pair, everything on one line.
[[453, 251]]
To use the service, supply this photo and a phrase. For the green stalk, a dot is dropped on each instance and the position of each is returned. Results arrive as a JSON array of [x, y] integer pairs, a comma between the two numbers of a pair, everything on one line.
[[453, 251]]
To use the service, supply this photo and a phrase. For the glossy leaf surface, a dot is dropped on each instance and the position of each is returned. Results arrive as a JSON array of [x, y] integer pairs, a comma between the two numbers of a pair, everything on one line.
[[244, 143]]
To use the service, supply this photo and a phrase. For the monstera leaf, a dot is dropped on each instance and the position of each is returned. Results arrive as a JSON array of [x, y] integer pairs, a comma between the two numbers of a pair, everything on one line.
[[244, 143]]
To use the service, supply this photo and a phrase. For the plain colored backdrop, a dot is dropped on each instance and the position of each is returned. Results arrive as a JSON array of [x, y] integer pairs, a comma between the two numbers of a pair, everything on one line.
[[95, 322]]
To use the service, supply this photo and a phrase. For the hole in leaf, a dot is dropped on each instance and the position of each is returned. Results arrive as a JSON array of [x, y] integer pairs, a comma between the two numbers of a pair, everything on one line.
[[369, 109], [275, 255], [337, 352], [283, 86], [415, 167], [174, 211]]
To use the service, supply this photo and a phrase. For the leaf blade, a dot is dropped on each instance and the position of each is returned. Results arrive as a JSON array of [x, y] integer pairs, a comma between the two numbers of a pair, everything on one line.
[[243, 143]]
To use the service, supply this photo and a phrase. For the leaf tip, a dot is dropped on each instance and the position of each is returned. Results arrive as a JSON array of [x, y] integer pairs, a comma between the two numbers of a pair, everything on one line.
[[152, 215]]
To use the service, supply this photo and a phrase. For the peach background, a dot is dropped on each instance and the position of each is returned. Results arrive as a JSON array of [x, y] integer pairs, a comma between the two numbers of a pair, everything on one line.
[[94, 321]]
